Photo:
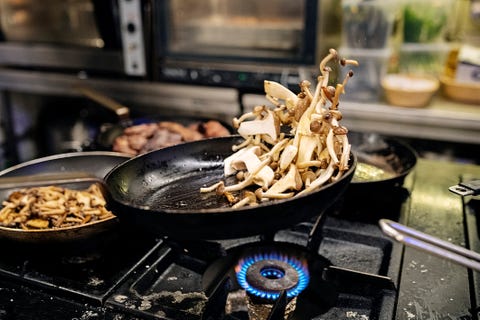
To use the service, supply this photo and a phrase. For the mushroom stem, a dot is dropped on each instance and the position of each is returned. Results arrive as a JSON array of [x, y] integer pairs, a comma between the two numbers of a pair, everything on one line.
[[331, 147], [211, 188], [249, 179], [321, 179]]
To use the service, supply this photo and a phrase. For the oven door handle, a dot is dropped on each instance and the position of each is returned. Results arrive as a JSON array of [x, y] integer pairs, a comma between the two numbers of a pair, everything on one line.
[[430, 244]]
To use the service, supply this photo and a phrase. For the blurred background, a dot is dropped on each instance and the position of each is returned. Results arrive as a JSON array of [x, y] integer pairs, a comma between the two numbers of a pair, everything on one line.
[[418, 77]]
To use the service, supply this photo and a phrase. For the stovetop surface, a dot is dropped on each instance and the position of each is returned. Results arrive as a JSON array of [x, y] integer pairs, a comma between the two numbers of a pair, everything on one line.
[[158, 279], [356, 271]]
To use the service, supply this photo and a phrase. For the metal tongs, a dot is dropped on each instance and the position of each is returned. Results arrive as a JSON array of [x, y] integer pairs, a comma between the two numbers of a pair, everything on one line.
[[430, 244], [469, 188]]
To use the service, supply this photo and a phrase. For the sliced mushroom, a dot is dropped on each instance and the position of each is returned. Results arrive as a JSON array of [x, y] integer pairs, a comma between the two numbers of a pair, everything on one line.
[[269, 125], [291, 181], [249, 160]]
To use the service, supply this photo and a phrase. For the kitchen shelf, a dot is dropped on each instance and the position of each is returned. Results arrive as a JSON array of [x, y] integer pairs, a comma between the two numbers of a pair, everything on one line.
[[442, 120], [220, 102]]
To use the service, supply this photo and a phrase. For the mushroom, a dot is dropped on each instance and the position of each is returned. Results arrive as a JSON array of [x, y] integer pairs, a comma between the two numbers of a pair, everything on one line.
[[307, 177], [275, 92], [269, 125], [288, 154], [320, 180], [331, 146], [248, 198], [248, 180], [248, 159], [256, 112], [228, 169], [308, 145], [291, 181], [318, 152]]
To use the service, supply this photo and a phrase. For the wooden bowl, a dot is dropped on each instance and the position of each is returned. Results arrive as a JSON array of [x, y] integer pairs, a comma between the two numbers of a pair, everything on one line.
[[406, 90], [462, 92]]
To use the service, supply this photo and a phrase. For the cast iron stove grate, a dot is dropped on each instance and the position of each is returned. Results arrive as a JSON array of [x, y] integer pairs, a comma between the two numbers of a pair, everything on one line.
[[352, 269], [44, 280]]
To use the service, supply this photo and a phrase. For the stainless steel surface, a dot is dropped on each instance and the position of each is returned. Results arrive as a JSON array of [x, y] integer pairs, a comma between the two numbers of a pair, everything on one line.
[[430, 244], [443, 120], [132, 37], [32, 55], [221, 103], [468, 188]]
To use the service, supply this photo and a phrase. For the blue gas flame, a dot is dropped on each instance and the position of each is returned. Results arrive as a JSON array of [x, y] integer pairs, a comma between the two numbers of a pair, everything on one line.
[[270, 273]]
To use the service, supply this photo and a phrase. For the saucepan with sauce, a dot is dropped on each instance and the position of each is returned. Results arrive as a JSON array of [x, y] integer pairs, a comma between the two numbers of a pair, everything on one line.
[[382, 161], [377, 188]]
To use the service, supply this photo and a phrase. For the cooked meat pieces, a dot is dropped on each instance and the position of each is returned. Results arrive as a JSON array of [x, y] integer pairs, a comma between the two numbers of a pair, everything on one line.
[[121, 144], [137, 141], [147, 137], [187, 134], [212, 129], [144, 129], [162, 137]]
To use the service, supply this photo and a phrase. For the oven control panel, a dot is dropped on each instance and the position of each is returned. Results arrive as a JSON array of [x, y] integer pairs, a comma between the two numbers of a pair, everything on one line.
[[236, 79], [132, 37]]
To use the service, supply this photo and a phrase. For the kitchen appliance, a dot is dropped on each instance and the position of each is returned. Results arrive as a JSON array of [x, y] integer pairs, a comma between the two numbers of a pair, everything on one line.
[[227, 43], [342, 264], [78, 25]]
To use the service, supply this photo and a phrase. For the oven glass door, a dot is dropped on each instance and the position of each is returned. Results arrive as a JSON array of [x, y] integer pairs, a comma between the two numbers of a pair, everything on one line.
[[72, 23], [252, 30]]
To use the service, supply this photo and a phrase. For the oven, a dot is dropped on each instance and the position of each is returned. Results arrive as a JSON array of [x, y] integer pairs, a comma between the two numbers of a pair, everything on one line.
[[106, 37], [338, 265], [227, 43]]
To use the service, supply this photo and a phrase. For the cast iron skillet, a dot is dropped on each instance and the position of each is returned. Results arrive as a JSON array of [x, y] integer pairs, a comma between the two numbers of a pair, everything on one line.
[[97, 163], [159, 191]]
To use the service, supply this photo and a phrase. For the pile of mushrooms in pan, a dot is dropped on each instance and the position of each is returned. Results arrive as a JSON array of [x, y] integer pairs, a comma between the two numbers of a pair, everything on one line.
[[270, 164]]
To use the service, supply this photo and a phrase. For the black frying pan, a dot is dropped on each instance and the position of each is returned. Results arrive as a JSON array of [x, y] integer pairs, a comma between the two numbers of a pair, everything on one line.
[[96, 163], [159, 191]]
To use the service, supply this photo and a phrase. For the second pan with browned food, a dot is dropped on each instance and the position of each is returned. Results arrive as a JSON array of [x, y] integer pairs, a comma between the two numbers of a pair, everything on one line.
[[94, 163], [141, 135], [160, 192], [154, 132]]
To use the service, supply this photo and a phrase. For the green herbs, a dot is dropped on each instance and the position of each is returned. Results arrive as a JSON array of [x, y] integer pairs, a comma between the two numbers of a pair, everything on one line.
[[423, 24]]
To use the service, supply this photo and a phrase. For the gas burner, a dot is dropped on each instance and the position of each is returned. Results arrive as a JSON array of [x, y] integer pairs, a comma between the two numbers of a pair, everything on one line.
[[268, 280], [267, 275]]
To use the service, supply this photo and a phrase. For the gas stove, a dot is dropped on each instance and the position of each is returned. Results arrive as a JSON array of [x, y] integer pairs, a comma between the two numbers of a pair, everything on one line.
[[343, 268], [336, 266]]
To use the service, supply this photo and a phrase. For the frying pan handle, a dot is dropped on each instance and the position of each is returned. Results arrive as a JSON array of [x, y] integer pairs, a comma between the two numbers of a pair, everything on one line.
[[430, 244], [37, 180], [121, 111]]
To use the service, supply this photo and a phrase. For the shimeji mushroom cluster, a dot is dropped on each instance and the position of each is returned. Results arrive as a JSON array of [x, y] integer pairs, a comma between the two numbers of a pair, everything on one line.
[[270, 164]]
